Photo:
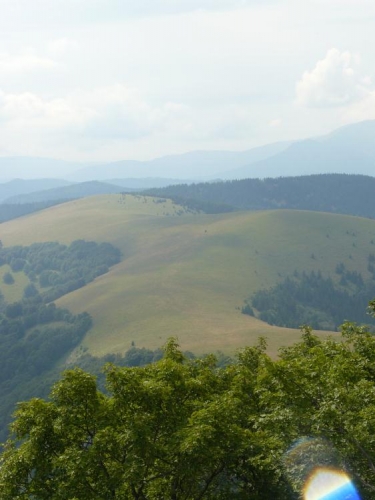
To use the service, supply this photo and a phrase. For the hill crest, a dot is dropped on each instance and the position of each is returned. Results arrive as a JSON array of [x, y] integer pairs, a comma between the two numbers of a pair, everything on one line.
[[186, 274]]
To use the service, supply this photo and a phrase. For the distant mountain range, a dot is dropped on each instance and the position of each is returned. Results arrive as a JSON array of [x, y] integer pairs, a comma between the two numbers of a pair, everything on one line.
[[350, 149], [21, 191], [192, 165], [19, 187], [69, 192]]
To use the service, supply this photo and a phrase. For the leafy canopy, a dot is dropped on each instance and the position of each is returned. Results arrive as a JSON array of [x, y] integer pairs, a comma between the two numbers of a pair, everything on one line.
[[186, 429]]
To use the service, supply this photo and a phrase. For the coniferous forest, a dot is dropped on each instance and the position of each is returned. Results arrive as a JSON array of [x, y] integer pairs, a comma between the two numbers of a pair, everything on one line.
[[315, 300], [337, 193]]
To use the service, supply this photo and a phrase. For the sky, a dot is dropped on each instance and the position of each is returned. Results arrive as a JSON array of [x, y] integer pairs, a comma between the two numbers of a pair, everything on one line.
[[104, 80]]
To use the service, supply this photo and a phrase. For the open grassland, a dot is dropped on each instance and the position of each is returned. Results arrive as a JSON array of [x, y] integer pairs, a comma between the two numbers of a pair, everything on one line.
[[187, 275], [13, 292]]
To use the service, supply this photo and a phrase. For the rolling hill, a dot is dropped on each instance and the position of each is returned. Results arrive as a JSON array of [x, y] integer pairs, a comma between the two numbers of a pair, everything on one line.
[[187, 274]]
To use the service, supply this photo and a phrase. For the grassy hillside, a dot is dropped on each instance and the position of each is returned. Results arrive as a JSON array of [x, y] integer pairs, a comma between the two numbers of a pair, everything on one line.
[[188, 274], [13, 292]]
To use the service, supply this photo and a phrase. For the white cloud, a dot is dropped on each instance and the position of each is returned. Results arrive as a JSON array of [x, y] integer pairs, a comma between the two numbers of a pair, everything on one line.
[[121, 112], [335, 81], [61, 46], [277, 122], [71, 12], [146, 7], [361, 110], [235, 63], [25, 62], [228, 123], [86, 119], [87, 124]]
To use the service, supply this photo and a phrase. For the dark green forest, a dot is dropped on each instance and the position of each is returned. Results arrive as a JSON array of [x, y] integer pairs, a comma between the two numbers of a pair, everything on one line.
[[187, 429], [59, 269], [337, 193], [34, 333], [312, 299]]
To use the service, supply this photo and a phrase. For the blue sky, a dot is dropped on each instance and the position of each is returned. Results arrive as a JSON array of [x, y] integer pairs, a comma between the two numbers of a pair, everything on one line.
[[110, 79]]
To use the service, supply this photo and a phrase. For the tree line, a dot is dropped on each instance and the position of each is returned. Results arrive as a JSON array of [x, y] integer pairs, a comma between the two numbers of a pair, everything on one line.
[[337, 193], [312, 299], [59, 269]]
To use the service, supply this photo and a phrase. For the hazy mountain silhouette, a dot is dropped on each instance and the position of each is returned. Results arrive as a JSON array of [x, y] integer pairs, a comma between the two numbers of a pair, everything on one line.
[[20, 186], [348, 150], [194, 164], [70, 192]]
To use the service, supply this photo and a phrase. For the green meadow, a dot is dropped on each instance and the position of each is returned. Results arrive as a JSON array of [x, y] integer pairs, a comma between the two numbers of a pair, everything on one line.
[[187, 274], [13, 292]]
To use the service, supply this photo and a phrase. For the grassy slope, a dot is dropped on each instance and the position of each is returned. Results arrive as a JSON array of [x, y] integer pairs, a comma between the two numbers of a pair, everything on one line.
[[13, 292], [187, 275]]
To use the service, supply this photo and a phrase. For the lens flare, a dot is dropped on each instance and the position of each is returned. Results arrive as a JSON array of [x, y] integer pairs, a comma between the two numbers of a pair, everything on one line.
[[329, 484]]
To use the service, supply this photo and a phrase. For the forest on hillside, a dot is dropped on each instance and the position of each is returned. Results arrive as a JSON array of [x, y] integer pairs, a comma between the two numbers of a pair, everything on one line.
[[337, 193], [34, 333], [312, 299]]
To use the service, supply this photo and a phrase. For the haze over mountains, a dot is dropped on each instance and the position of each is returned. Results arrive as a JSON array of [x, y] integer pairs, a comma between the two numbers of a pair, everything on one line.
[[350, 149], [68, 192], [194, 164], [347, 150], [26, 167], [19, 187]]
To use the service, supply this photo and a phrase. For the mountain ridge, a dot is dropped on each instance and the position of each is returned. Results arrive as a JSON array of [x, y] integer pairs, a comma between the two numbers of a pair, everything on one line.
[[68, 192], [348, 149]]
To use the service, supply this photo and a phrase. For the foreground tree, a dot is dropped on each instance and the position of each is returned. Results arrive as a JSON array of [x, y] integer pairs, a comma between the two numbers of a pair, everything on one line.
[[176, 429], [186, 429], [326, 389]]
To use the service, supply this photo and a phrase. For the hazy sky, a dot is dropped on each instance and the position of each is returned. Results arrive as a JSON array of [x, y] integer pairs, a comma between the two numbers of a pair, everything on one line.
[[135, 79]]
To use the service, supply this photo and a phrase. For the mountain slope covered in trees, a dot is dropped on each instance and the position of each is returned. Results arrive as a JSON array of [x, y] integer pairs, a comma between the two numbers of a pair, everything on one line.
[[337, 193], [35, 334], [311, 299]]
